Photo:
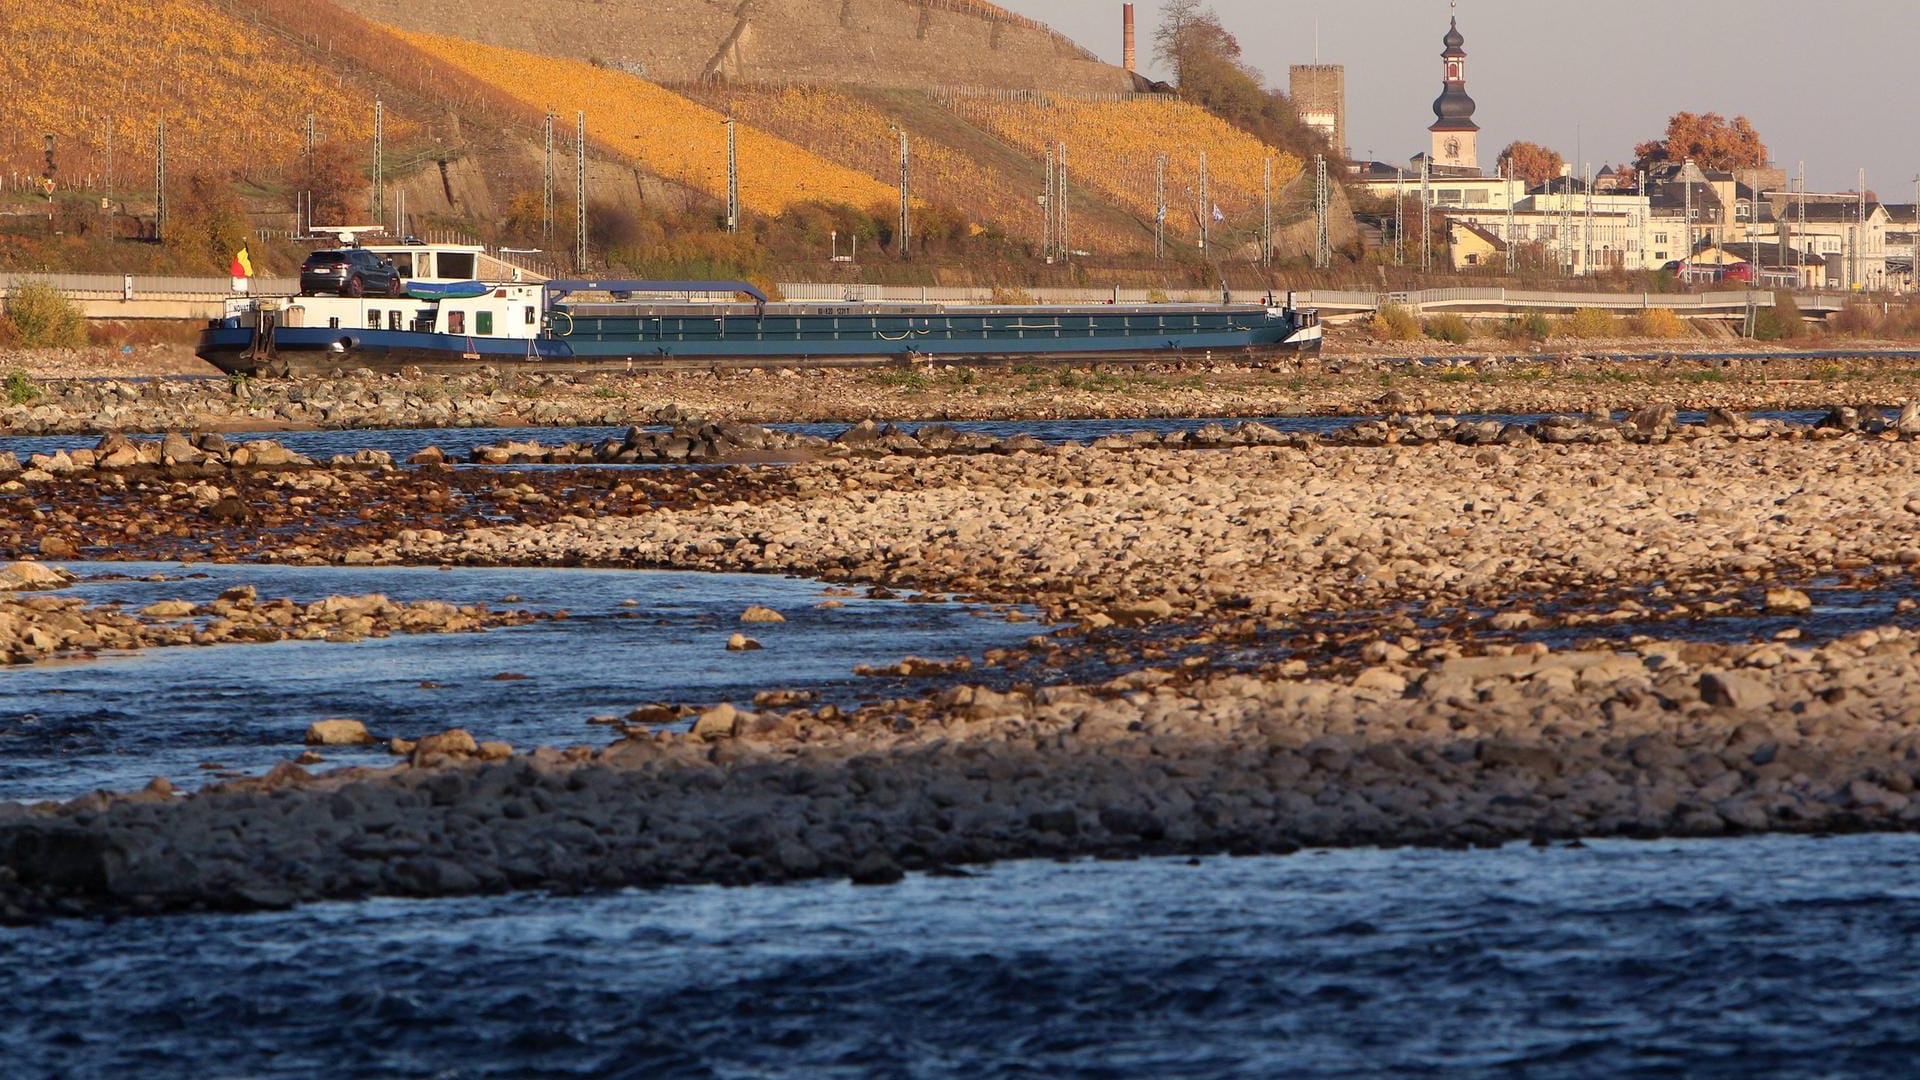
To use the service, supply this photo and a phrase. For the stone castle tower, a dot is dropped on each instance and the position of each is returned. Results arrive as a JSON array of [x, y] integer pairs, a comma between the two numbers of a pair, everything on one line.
[[1319, 95], [1455, 135]]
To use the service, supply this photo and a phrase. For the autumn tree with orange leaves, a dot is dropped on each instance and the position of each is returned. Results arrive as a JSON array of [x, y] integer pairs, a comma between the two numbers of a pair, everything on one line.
[[1709, 139], [1531, 162]]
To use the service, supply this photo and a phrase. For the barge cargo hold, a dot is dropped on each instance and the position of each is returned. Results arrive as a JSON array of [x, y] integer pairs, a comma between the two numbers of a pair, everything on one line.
[[545, 326]]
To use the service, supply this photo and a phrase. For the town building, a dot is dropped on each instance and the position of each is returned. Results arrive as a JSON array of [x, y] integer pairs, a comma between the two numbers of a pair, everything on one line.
[[1455, 137]]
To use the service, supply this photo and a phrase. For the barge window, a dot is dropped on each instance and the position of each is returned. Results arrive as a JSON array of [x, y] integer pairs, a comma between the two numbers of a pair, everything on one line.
[[483, 322], [373, 319], [393, 319], [532, 319], [456, 322], [456, 265]]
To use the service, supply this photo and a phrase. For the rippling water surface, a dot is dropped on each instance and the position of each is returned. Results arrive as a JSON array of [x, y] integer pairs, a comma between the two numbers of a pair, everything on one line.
[[1778, 956], [404, 442], [118, 721]]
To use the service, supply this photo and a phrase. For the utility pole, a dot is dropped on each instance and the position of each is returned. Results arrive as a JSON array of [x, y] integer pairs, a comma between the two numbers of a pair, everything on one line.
[[1588, 248], [1399, 216], [1800, 212], [160, 180], [1687, 203], [1426, 214], [309, 146], [733, 178], [1206, 207], [1860, 231], [1510, 255], [1160, 207], [1046, 203], [1266, 224], [580, 190], [1060, 228], [546, 195], [906, 223], [1913, 273], [1322, 249], [379, 207], [110, 120]]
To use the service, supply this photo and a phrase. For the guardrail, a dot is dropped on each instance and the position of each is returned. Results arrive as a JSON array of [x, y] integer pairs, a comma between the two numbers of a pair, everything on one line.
[[158, 296]]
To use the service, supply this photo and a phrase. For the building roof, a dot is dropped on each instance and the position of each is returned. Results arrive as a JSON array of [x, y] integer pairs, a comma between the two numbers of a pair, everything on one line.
[[1485, 234], [1770, 254], [1830, 212]]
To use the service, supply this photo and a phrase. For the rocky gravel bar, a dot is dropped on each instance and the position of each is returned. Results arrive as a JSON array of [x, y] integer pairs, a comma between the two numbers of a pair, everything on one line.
[[1306, 643], [1349, 382]]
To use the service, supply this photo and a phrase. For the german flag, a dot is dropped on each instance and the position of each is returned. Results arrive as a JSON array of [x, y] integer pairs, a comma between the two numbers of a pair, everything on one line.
[[242, 264]]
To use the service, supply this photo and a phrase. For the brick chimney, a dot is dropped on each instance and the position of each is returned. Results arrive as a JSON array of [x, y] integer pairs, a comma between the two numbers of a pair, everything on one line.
[[1126, 48]]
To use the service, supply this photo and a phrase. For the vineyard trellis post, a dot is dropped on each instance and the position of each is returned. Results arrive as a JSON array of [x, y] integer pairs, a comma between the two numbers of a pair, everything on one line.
[[379, 207], [1160, 207], [580, 190]]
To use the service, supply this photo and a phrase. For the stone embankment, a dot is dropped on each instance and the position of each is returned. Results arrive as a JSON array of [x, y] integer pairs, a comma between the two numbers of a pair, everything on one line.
[[1669, 738], [45, 626]]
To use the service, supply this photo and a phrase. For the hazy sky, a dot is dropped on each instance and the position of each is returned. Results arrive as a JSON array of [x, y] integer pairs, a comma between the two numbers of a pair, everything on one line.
[[1835, 84]]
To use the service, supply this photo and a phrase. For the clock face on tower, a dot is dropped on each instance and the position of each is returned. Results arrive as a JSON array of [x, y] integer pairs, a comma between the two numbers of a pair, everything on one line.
[[1453, 147]]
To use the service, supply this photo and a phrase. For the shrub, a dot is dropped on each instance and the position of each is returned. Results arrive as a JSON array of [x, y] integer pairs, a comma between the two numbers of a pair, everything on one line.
[[1395, 323], [1530, 327], [20, 389], [1592, 323], [1449, 328], [1156, 296], [1003, 294], [1658, 323], [1856, 320], [43, 318]]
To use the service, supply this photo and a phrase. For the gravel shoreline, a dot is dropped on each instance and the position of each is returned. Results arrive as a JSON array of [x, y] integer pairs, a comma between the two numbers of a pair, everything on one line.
[[1376, 583]]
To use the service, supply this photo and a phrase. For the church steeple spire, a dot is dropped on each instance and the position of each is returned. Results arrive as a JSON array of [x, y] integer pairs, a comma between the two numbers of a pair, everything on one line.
[[1454, 132]]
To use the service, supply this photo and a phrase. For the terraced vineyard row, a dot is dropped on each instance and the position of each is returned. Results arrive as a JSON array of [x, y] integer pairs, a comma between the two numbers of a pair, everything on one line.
[[853, 132], [1114, 143], [670, 135], [95, 73]]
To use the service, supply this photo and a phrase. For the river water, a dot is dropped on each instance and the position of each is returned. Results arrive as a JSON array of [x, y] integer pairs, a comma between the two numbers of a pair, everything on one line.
[[458, 442], [1770, 956], [631, 638], [1777, 956]]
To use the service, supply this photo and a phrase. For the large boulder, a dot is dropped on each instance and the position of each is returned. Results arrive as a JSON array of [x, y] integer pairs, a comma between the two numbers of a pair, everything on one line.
[[22, 576], [338, 732]]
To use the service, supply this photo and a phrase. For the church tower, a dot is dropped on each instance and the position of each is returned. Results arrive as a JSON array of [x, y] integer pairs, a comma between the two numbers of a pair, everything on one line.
[[1455, 135]]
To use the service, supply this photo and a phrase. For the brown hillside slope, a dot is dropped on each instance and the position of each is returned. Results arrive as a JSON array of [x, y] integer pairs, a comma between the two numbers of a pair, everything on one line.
[[100, 73], [863, 42]]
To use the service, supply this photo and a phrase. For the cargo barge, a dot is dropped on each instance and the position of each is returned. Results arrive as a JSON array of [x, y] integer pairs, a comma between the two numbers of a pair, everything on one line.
[[636, 325]]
